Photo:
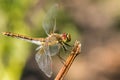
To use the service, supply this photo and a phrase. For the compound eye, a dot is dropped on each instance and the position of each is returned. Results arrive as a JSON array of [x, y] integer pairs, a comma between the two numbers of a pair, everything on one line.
[[68, 37]]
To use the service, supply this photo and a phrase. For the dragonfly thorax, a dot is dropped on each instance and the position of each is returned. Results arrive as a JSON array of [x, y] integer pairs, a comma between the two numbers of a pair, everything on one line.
[[53, 39], [58, 38]]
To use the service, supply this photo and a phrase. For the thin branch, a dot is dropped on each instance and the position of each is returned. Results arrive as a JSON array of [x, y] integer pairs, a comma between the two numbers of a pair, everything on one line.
[[75, 51]]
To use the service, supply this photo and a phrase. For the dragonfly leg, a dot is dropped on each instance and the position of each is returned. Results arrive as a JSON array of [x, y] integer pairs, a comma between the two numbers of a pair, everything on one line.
[[67, 44], [65, 49], [62, 60]]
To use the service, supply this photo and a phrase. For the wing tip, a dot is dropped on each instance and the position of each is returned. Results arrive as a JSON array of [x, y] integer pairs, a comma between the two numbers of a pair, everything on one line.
[[48, 75]]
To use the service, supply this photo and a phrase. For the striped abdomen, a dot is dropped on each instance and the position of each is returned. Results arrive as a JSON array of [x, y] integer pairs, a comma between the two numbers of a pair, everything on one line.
[[24, 37]]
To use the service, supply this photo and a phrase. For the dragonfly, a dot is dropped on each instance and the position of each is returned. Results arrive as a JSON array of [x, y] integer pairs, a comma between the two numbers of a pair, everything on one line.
[[48, 46]]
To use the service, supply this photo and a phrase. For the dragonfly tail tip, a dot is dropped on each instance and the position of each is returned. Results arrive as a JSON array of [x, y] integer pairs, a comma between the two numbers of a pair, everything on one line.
[[3, 33]]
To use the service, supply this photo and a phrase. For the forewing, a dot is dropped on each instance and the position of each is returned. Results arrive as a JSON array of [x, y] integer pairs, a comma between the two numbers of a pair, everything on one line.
[[44, 61], [54, 49], [49, 23]]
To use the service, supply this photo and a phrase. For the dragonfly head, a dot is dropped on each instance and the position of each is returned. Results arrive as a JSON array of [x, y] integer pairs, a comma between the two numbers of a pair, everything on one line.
[[66, 37]]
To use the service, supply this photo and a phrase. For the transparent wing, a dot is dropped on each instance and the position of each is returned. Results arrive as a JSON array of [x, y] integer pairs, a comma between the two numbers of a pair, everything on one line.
[[54, 49], [49, 23], [44, 61], [54, 45]]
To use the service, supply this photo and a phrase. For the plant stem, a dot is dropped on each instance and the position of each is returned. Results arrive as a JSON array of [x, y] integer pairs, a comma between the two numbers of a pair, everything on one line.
[[75, 51]]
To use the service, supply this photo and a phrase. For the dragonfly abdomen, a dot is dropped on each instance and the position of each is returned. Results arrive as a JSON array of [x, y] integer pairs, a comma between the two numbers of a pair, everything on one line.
[[16, 35], [37, 41]]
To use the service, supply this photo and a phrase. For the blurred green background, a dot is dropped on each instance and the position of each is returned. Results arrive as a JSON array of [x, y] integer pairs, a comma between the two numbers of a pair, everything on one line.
[[96, 23]]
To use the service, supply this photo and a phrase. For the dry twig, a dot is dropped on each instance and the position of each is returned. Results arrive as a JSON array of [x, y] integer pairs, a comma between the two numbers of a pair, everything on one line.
[[75, 51]]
